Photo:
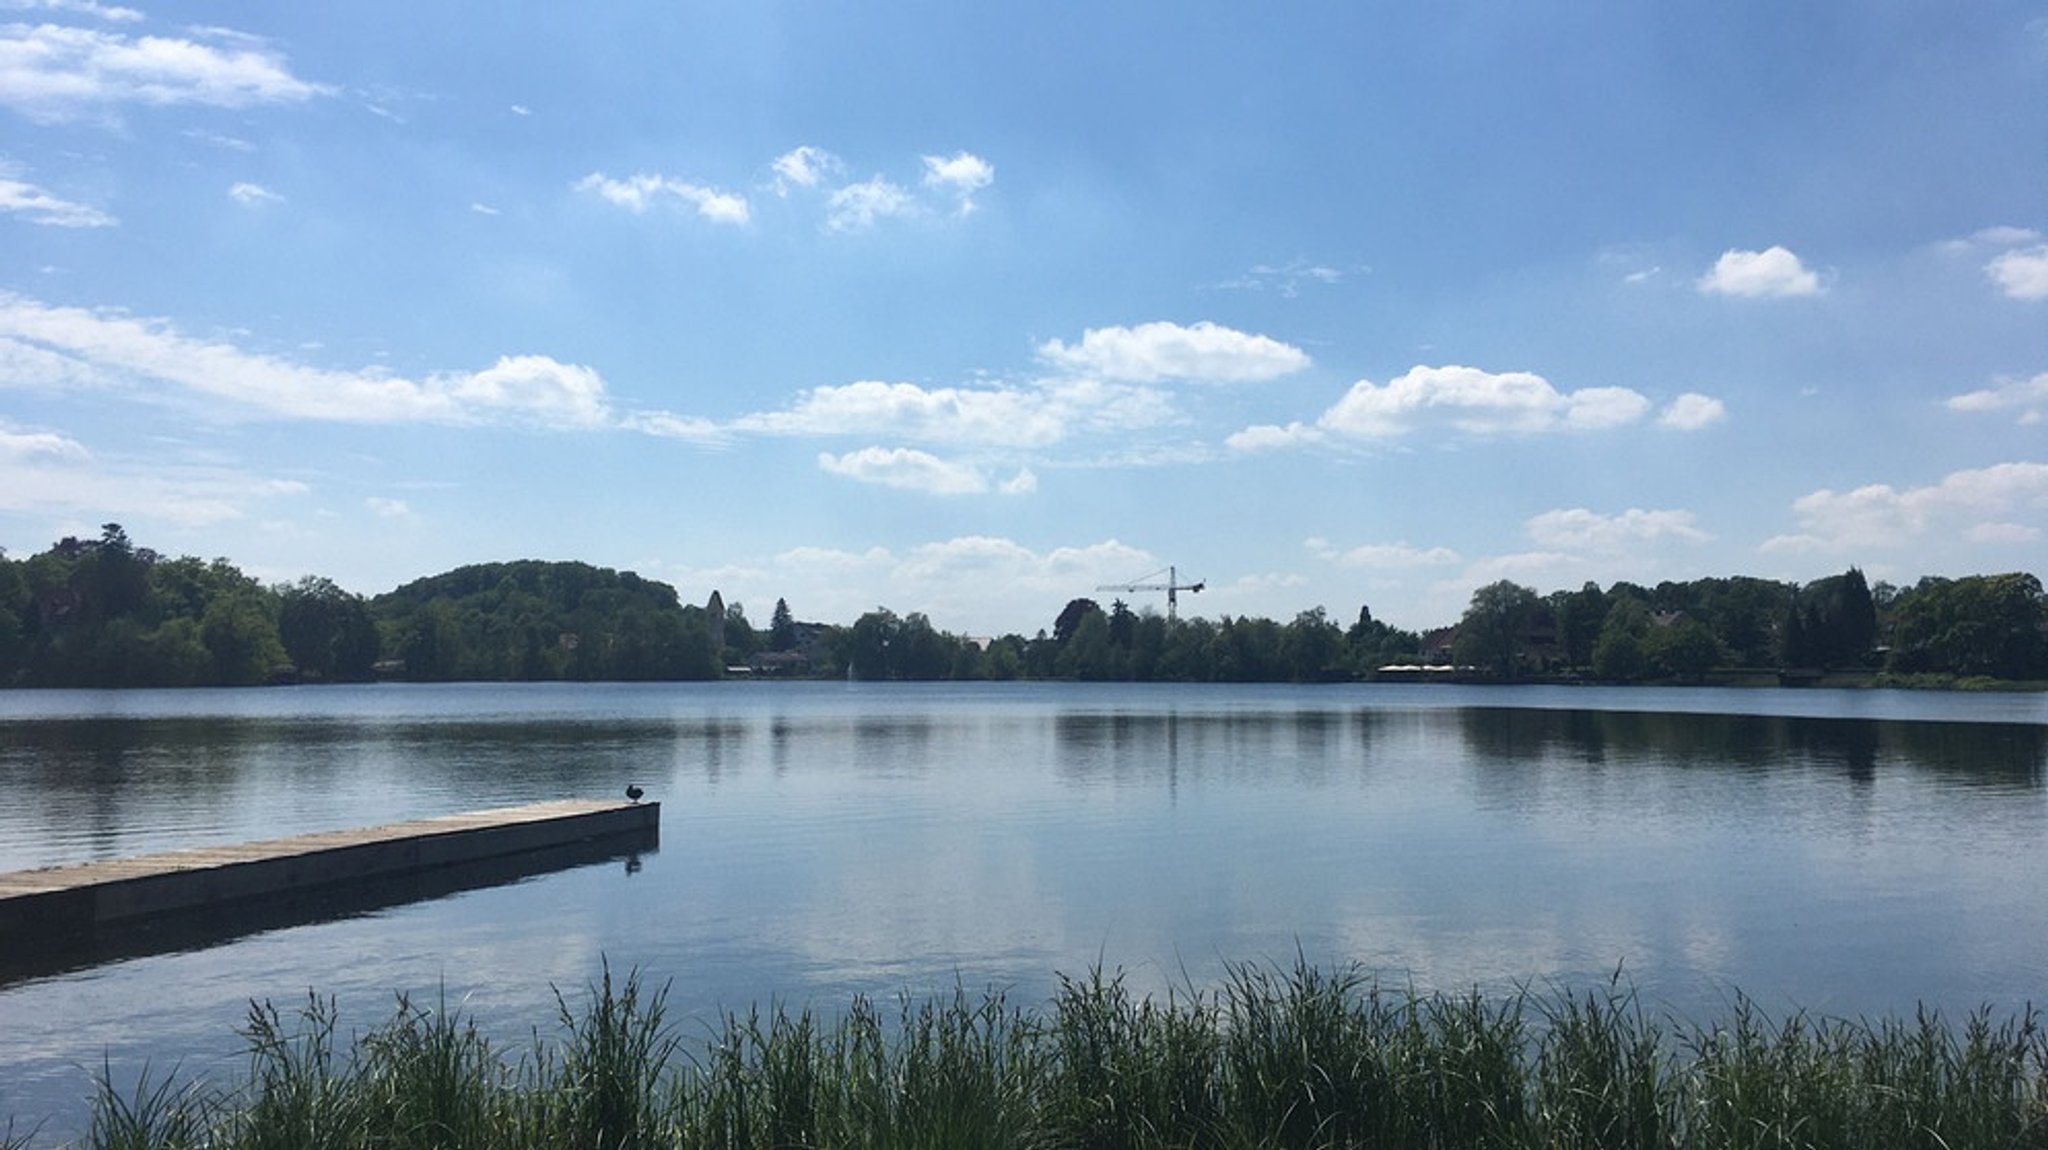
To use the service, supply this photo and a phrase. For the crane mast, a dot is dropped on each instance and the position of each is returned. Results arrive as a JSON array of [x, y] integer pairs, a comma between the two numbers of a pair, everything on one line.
[[1173, 587]]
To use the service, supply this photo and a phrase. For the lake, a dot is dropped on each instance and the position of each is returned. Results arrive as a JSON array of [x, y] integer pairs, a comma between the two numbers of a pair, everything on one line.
[[1850, 853]]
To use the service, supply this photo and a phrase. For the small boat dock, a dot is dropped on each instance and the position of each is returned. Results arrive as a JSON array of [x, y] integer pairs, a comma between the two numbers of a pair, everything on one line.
[[52, 903]]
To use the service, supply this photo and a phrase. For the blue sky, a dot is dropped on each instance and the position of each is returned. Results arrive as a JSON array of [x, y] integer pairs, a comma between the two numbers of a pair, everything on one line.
[[969, 308]]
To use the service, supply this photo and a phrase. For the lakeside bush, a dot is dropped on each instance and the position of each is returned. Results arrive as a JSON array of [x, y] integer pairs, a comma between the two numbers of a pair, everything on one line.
[[1271, 1058]]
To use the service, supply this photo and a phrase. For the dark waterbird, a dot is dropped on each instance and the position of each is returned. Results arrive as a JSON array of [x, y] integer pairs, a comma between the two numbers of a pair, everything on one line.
[[634, 793]]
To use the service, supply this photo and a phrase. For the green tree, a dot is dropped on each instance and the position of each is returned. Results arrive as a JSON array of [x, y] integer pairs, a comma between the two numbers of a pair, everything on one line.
[[1619, 656], [781, 628], [1683, 648], [1088, 653], [1371, 644], [1070, 617], [1312, 648], [1495, 627], [241, 637], [1579, 615], [1990, 625], [867, 648], [327, 632]]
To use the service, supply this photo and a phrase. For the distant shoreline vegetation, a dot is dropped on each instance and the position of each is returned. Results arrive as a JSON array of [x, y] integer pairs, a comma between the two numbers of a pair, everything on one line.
[[1272, 1057], [107, 613]]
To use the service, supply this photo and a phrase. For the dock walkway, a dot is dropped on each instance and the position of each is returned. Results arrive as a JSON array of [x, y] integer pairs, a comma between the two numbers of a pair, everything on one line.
[[40, 905]]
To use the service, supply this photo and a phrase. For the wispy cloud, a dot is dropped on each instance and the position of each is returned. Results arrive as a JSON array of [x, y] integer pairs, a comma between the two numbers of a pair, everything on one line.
[[858, 207], [1773, 272], [1381, 556], [1285, 280], [2029, 397], [38, 206], [218, 140], [113, 14], [253, 195], [61, 345], [47, 472], [1580, 529], [803, 167], [640, 192], [53, 73]]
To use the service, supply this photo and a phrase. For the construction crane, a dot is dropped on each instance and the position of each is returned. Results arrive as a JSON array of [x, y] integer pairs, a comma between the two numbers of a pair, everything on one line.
[[1173, 587]]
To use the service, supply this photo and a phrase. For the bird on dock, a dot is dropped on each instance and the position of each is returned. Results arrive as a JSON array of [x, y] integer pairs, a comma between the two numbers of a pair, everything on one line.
[[633, 793]]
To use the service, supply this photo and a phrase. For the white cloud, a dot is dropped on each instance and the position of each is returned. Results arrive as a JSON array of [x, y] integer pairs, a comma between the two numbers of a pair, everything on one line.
[[1273, 437], [803, 167], [534, 386], [666, 425], [1012, 417], [2028, 396], [64, 344], [482, 209], [1579, 529], [994, 416], [638, 193], [51, 73], [2021, 274], [521, 110], [1150, 352], [253, 195], [1479, 403], [962, 173], [1771, 272], [1692, 411], [40, 207], [906, 468], [20, 446], [1382, 556], [388, 508], [856, 207], [1879, 516], [1023, 483]]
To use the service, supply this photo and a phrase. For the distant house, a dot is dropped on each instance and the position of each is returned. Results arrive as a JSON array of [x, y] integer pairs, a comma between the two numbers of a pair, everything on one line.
[[1439, 645], [797, 661], [778, 663]]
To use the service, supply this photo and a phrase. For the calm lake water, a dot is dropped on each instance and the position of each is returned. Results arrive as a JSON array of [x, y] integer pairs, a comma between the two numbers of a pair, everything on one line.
[[1848, 853]]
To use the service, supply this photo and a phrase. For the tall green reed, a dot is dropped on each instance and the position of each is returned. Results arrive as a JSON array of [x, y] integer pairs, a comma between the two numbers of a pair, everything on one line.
[[1273, 1057]]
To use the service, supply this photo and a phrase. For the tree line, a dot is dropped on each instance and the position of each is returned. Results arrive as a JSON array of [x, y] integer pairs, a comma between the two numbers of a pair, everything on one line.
[[1979, 626], [107, 613]]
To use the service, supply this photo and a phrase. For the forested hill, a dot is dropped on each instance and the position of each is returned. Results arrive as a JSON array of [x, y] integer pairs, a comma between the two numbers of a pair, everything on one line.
[[106, 613], [536, 620]]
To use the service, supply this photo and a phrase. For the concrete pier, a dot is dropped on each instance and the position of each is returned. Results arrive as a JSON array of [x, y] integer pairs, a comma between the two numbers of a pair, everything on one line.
[[46, 907]]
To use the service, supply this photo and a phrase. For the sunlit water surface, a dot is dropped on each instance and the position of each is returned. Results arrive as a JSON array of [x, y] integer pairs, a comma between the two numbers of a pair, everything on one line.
[[1847, 853]]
